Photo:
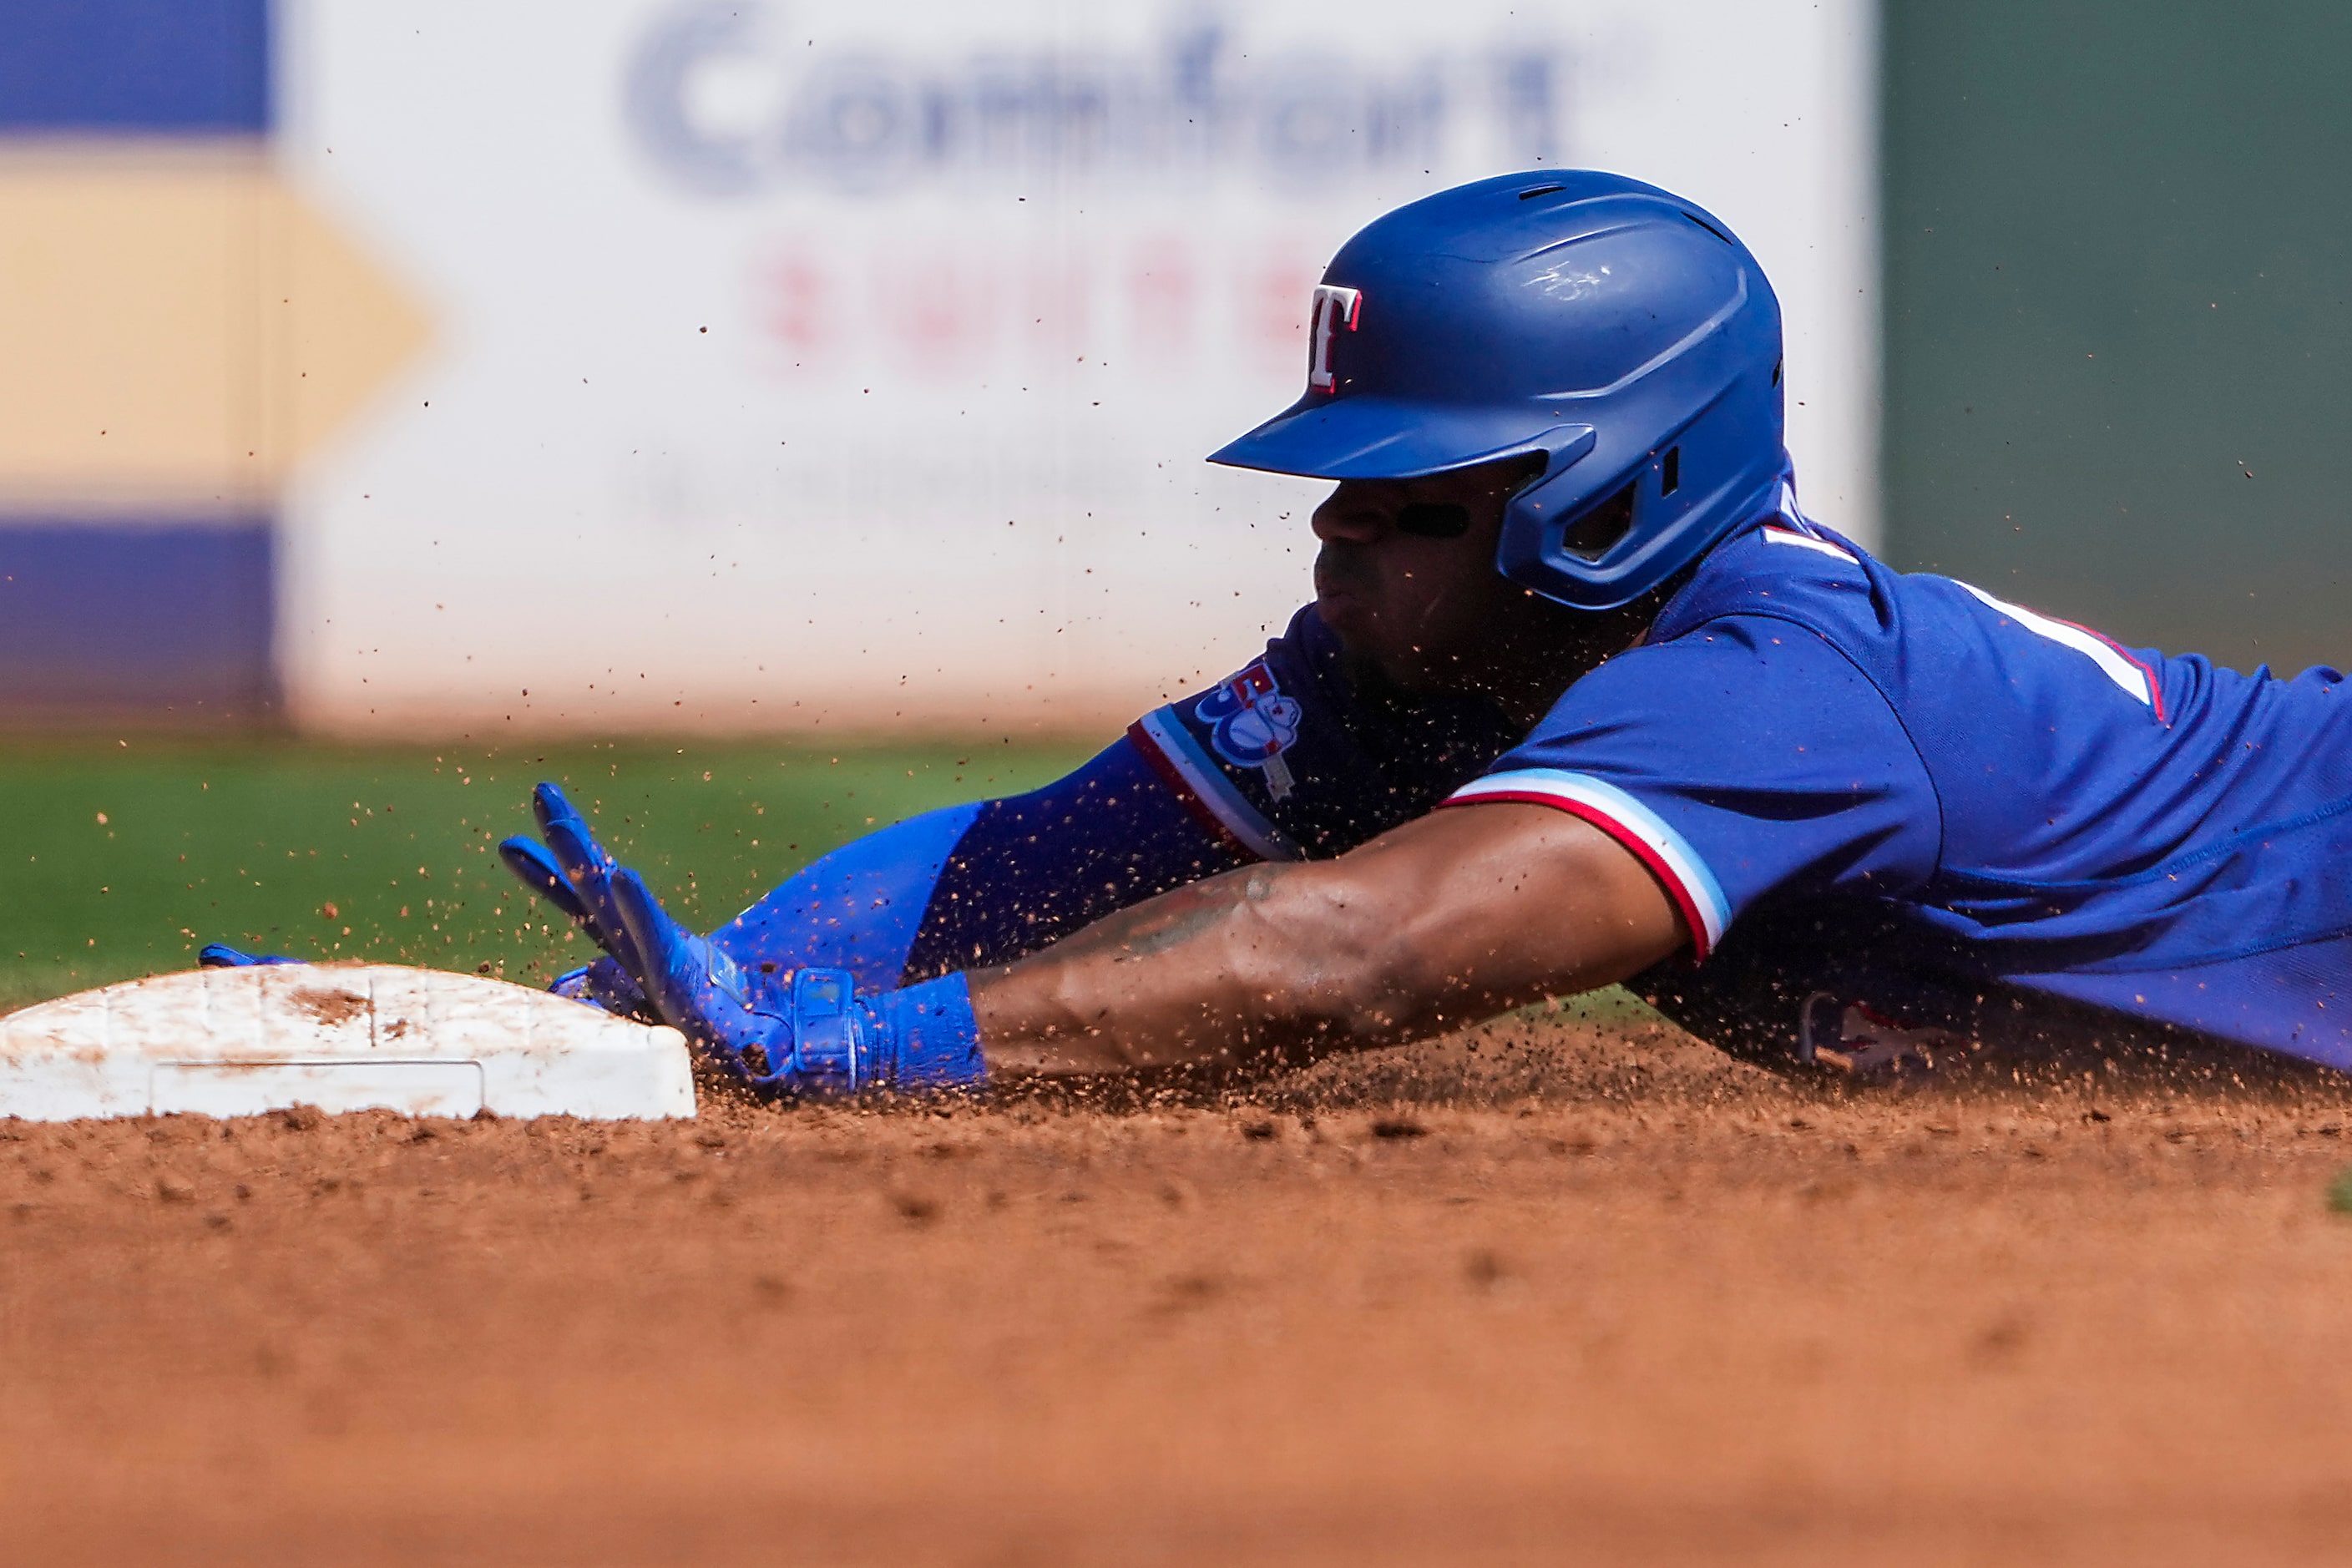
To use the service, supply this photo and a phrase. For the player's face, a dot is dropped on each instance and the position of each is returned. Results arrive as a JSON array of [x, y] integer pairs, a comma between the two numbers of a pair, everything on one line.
[[1406, 579]]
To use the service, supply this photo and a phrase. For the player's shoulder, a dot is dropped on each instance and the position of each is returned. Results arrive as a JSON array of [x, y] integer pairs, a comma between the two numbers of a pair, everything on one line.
[[1783, 617], [1784, 565]]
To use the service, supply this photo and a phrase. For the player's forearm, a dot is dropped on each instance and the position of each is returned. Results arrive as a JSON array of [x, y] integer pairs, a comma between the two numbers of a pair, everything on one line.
[[1440, 924], [1244, 964]]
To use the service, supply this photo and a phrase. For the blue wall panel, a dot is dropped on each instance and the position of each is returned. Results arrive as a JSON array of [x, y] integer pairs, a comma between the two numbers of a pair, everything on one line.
[[120, 617], [135, 67]]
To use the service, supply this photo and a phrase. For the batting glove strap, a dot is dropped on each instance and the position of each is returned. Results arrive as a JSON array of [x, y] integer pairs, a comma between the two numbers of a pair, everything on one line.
[[835, 1042], [933, 1038], [826, 1056]]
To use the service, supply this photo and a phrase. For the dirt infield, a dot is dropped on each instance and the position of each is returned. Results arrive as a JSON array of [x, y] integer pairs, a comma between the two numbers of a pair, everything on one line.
[[1587, 1298]]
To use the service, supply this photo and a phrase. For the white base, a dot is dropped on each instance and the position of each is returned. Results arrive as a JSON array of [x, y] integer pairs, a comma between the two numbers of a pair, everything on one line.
[[237, 1042]]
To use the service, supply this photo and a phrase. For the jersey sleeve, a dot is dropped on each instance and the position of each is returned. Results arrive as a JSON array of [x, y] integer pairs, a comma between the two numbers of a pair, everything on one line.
[[1743, 759], [983, 882], [1286, 759]]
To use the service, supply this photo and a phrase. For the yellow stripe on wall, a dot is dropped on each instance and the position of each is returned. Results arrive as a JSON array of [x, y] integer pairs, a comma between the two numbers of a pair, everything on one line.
[[177, 327]]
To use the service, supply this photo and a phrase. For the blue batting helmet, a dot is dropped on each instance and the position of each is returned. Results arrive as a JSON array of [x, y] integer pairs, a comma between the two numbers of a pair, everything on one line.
[[1617, 330]]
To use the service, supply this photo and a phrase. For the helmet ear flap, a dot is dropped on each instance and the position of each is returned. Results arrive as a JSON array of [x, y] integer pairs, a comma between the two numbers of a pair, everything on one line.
[[1606, 530], [1600, 529], [1559, 491], [1564, 525]]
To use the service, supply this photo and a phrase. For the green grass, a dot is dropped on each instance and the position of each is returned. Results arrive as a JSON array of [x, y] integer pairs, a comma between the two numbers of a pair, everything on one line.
[[2339, 1193], [122, 861]]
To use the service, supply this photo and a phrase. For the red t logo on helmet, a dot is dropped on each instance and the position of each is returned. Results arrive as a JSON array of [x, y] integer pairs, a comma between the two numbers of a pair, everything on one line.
[[1334, 307]]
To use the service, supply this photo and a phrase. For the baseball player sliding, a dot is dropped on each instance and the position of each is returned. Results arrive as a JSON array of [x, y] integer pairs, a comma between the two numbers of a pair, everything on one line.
[[1583, 698]]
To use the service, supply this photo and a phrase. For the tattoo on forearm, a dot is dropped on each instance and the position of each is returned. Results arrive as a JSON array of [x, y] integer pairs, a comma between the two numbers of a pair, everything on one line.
[[1170, 923], [1175, 934]]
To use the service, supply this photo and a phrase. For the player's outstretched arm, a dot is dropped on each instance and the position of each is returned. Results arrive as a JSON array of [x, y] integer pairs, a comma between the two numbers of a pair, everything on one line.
[[1452, 917], [1448, 918], [1270, 763], [982, 882]]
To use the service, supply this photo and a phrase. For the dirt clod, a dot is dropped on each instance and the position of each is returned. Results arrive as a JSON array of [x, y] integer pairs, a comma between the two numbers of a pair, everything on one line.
[[914, 1208], [1485, 1269], [329, 1006]]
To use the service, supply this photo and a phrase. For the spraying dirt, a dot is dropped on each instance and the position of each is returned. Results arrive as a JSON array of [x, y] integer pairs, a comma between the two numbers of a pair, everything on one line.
[[1569, 1293]]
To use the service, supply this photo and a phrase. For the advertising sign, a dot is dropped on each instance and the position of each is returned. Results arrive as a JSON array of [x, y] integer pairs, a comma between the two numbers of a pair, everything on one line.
[[851, 365]]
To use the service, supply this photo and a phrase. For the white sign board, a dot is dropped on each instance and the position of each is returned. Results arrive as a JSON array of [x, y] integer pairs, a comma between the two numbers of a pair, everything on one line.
[[818, 363]]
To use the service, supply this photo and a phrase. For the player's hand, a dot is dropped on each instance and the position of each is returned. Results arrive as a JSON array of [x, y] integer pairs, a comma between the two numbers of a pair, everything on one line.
[[573, 872], [602, 983], [743, 1024], [779, 1029], [798, 1031], [782, 1030], [220, 955]]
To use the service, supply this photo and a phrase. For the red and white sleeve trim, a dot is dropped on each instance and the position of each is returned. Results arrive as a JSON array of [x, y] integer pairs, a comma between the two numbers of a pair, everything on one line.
[[1666, 852], [1194, 776]]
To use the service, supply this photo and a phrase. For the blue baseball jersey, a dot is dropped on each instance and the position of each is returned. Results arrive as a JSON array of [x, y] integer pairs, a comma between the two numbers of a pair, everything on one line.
[[1943, 784]]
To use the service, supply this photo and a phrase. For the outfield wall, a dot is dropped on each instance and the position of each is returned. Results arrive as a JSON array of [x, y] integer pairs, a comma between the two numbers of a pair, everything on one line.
[[2119, 342], [636, 364]]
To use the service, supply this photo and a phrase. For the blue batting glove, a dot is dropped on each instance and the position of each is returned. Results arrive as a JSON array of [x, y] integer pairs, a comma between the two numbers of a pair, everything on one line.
[[798, 1031], [602, 983], [220, 955], [573, 872]]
